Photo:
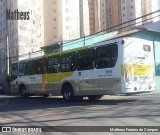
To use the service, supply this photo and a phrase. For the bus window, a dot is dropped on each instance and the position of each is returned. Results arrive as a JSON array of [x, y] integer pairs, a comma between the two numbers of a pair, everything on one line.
[[53, 65], [14, 71], [68, 62], [31, 70], [22, 69], [106, 56], [41, 66], [85, 59], [147, 48]]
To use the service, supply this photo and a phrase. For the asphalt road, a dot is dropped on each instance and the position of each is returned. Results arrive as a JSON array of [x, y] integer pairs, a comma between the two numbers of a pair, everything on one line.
[[141, 110]]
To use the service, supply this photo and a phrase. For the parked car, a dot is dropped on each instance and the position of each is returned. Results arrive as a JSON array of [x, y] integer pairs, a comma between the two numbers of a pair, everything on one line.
[[1, 89]]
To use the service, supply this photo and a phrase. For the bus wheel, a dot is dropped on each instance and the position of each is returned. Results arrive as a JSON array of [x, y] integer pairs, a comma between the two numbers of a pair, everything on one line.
[[45, 95], [94, 97], [23, 93], [68, 94]]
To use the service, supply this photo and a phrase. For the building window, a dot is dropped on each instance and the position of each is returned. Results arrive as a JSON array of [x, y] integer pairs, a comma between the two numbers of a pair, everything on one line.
[[67, 19], [67, 1], [33, 41], [68, 27], [53, 64]]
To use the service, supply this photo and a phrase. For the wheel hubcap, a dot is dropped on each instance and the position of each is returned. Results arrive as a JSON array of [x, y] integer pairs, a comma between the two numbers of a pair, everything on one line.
[[67, 94]]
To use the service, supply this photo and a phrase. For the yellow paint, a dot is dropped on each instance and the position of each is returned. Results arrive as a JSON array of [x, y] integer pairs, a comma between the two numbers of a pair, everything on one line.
[[128, 66], [65, 52], [138, 69], [53, 77], [141, 70], [65, 75]]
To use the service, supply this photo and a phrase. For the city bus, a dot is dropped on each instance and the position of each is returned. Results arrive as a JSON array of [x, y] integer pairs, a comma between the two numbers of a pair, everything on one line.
[[122, 65]]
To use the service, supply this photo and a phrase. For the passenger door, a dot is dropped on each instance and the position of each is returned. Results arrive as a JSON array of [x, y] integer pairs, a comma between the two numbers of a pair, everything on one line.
[[86, 72]]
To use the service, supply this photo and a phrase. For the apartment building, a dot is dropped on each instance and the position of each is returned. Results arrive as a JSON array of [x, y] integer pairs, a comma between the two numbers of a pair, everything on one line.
[[25, 35], [50, 22], [110, 14], [116, 12], [88, 10], [61, 20], [68, 19], [3, 41]]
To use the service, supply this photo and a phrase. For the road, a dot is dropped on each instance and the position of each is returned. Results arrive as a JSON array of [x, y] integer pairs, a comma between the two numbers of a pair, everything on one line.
[[140, 110]]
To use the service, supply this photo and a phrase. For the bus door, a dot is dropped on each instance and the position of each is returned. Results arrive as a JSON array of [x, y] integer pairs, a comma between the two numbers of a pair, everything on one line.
[[106, 58], [86, 71], [32, 77]]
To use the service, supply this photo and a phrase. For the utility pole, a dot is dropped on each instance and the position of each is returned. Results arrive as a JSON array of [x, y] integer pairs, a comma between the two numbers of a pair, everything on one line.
[[8, 58]]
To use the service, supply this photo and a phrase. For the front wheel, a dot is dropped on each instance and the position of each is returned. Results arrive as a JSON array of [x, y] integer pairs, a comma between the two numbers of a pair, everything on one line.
[[45, 95], [94, 97], [68, 94]]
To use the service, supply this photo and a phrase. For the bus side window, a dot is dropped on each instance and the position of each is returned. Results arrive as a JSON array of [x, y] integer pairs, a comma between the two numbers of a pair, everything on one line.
[[106, 56], [53, 64], [85, 59], [31, 70], [14, 71], [68, 62], [41, 66], [22, 69]]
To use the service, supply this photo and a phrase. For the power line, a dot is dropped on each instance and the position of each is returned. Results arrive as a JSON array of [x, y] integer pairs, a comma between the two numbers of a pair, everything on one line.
[[101, 31]]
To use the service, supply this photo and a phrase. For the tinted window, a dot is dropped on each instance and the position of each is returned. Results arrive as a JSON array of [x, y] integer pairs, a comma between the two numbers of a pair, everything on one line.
[[147, 48], [106, 56], [31, 67], [41, 66], [53, 65], [22, 69], [85, 59], [68, 62]]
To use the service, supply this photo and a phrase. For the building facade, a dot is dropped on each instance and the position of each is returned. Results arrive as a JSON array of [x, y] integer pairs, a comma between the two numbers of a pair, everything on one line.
[[50, 22], [126, 14], [88, 17], [3, 42], [26, 36]]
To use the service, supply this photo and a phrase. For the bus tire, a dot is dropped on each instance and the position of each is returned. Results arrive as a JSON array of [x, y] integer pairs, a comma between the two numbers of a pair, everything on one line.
[[94, 97], [67, 92], [23, 91], [45, 95]]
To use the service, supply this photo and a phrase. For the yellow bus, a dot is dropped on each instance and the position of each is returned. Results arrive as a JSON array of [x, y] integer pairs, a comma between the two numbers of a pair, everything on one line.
[[118, 66]]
